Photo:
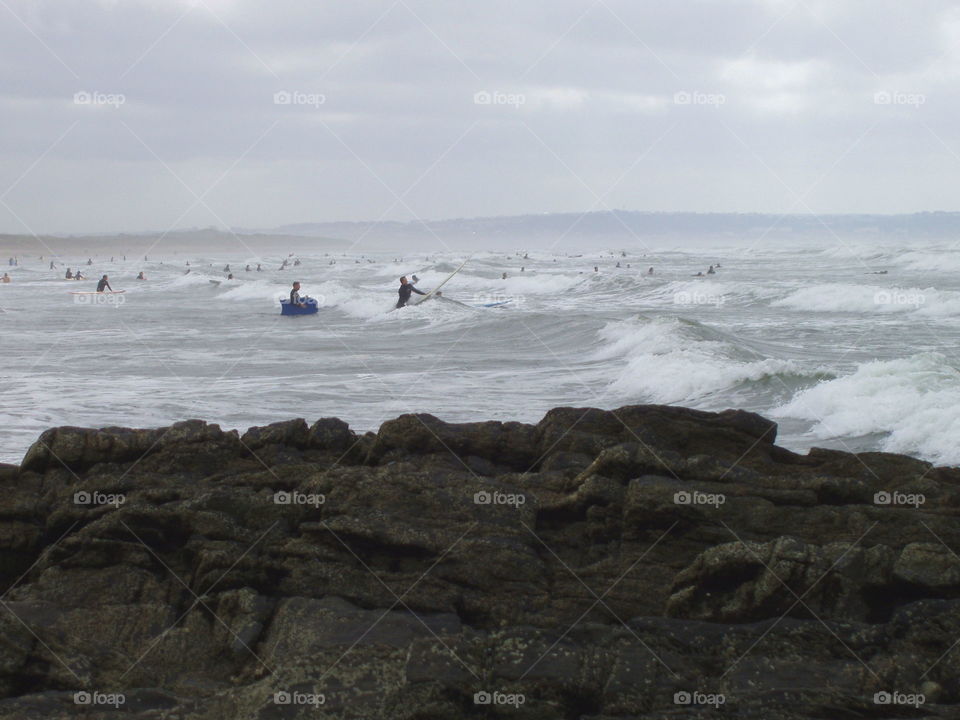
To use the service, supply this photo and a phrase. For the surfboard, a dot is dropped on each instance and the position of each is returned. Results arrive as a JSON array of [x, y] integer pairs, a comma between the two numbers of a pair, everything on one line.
[[94, 292], [445, 281], [494, 304]]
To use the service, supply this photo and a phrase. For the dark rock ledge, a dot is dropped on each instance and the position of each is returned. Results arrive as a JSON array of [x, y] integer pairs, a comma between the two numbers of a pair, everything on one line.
[[647, 562]]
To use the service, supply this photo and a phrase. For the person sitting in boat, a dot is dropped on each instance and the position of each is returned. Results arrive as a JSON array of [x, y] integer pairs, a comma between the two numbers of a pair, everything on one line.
[[405, 291], [140, 276], [295, 298], [69, 275], [104, 284]]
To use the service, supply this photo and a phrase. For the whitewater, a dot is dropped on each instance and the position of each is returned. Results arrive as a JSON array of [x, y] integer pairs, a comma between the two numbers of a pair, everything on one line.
[[847, 346]]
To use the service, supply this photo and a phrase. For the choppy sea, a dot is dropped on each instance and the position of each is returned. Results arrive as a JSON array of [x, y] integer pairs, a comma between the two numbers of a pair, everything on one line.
[[846, 346]]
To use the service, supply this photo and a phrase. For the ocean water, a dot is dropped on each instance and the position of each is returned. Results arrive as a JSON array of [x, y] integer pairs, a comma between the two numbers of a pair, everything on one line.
[[839, 356]]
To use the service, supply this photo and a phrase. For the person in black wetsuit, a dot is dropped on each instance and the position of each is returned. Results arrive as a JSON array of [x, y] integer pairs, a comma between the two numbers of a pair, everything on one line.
[[295, 296], [406, 289], [103, 284]]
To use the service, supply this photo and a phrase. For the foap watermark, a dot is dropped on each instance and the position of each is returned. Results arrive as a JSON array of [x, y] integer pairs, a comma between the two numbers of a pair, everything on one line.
[[495, 299], [99, 298], [686, 497], [696, 697], [84, 697], [297, 97], [499, 498], [698, 298], [496, 97], [898, 698], [298, 498], [96, 497], [914, 500], [695, 97], [896, 97], [899, 297], [288, 697], [498, 698], [94, 97]]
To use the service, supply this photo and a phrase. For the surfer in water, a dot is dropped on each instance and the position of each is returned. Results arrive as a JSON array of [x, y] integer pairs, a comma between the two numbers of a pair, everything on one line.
[[104, 284], [295, 298], [69, 275], [141, 276], [405, 290]]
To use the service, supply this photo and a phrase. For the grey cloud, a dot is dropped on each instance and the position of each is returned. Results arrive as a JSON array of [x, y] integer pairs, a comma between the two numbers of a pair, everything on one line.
[[599, 86]]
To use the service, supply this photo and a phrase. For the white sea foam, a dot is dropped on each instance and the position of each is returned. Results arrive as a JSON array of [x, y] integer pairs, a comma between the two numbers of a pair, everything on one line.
[[914, 402], [672, 361]]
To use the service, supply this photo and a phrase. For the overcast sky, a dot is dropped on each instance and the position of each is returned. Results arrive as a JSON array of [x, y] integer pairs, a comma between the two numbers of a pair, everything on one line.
[[151, 114]]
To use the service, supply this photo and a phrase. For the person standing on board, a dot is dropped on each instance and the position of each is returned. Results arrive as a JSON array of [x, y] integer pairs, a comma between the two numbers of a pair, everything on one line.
[[103, 284], [405, 290]]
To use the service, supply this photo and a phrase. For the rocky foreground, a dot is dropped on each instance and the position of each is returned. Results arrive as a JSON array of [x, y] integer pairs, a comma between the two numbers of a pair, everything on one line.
[[649, 562]]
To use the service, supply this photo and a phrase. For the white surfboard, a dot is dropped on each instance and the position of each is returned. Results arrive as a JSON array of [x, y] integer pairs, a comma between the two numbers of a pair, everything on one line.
[[102, 292], [446, 280]]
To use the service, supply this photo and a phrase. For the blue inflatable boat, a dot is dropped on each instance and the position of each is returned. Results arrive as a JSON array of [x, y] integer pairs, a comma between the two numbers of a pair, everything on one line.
[[287, 309]]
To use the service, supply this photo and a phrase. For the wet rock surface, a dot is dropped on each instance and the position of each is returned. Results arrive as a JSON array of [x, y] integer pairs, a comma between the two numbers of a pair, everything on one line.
[[647, 562]]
